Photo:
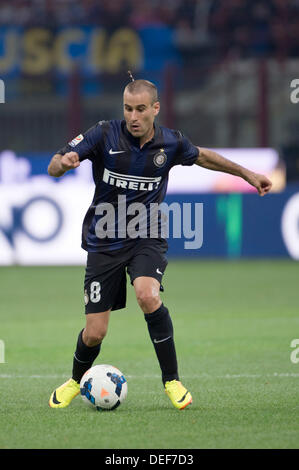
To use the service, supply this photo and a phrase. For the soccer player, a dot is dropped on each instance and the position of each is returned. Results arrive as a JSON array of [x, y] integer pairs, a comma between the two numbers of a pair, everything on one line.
[[131, 158]]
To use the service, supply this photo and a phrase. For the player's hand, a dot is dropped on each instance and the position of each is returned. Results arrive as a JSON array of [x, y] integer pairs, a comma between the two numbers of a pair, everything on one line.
[[260, 182], [69, 161]]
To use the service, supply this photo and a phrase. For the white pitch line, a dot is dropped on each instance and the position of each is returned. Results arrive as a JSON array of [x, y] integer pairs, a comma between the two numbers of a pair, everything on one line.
[[198, 376]]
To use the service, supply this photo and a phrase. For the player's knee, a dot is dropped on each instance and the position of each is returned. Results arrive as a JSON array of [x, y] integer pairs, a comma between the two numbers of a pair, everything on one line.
[[148, 300], [94, 336], [96, 328]]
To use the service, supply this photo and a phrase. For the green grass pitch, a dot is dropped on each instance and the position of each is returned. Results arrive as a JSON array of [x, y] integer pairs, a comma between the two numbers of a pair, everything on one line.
[[234, 323]]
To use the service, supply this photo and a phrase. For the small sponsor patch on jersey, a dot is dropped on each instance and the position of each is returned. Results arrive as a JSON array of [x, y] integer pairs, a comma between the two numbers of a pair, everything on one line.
[[160, 158], [76, 140]]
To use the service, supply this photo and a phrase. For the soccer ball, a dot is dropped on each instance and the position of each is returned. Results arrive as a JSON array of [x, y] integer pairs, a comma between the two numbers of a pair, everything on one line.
[[103, 387]]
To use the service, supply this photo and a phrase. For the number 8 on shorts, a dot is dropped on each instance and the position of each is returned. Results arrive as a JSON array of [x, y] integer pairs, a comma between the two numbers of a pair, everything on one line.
[[95, 292]]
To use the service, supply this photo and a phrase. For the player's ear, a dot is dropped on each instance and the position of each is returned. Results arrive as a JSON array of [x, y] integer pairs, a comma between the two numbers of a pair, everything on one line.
[[156, 107]]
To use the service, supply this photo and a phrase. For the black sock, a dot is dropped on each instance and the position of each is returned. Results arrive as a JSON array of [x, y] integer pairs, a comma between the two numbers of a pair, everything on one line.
[[83, 358], [161, 332]]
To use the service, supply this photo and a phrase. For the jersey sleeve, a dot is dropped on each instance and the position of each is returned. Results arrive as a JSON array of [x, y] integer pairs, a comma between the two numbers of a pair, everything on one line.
[[84, 144], [187, 153]]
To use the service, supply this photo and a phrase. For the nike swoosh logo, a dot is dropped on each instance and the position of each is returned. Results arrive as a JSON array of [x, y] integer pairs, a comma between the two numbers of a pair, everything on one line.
[[161, 340], [113, 152], [55, 399], [158, 271], [182, 399]]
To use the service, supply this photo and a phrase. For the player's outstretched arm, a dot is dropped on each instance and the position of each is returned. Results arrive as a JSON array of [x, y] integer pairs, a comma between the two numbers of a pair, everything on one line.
[[62, 163], [213, 161]]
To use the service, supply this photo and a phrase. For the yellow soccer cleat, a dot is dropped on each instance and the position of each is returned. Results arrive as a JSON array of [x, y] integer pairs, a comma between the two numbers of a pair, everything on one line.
[[178, 394], [63, 395]]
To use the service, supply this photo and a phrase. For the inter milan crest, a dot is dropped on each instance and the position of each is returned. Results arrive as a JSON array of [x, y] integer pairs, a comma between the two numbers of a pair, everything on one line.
[[160, 158], [86, 297]]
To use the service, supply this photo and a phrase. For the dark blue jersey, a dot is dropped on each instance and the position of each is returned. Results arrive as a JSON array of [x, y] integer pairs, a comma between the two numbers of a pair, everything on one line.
[[125, 175]]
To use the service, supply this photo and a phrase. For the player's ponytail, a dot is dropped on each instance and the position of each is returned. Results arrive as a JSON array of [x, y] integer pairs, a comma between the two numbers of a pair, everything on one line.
[[131, 76]]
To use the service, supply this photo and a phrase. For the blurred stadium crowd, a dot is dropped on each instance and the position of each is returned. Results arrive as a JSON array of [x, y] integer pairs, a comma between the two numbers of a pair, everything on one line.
[[208, 41], [239, 28]]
